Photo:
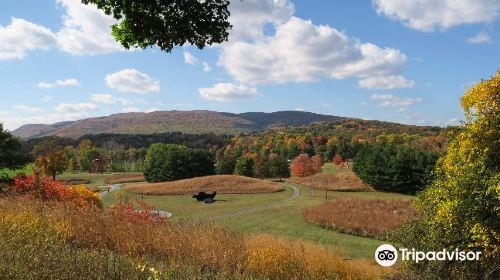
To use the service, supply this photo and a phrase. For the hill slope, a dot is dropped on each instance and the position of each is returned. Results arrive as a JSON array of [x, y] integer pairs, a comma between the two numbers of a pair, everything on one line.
[[174, 121]]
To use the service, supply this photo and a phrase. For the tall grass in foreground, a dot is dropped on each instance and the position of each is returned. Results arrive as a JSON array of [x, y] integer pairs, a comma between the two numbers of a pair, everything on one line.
[[364, 217], [54, 240]]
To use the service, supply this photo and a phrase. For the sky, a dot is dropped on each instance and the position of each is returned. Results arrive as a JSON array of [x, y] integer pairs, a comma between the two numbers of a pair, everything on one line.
[[392, 60]]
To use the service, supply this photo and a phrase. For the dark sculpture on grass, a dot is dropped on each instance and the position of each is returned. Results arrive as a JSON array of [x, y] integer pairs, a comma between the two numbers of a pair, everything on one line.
[[206, 197]]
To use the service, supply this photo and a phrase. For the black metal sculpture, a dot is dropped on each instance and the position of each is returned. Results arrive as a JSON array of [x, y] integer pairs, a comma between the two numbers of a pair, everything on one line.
[[206, 197]]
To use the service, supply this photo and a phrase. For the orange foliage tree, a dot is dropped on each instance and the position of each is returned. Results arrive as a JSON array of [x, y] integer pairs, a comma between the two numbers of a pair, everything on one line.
[[303, 165], [337, 159]]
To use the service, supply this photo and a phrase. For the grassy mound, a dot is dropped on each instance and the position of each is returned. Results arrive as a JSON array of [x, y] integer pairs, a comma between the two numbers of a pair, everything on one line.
[[229, 184], [345, 181], [365, 217]]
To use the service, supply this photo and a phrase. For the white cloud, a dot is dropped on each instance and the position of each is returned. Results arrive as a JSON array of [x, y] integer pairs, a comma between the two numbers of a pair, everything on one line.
[[28, 109], [250, 16], [190, 58], [59, 83], [227, 92], [299, 109], [389, 100], [75, 107], [86, 30], [109, 99], [480, 38], [428, 15], [21, 36], [131, 80], [300, 51], [386, 82], [206, 67]]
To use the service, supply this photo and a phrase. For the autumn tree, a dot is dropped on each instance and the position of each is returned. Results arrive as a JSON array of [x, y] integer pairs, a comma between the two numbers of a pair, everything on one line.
[[317, 163], [303, 166], [337, 160], [461, 208], [166, 24], [50, 158]]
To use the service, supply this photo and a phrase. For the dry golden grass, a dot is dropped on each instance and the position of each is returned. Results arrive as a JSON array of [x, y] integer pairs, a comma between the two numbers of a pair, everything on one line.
[[364, 217], [181, 250], [221, 183], [125, 178], [344, 181]]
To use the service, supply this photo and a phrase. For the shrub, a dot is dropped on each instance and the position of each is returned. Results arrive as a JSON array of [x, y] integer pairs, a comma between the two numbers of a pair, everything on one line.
[[168, 162], [394, 168], [374, 218], [37, 187]]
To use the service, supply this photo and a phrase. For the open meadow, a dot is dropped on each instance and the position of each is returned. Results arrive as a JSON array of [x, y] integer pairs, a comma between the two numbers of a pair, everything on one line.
[[265, 213]]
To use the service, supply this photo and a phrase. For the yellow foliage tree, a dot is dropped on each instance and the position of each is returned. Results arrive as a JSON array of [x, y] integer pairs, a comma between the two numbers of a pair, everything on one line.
[[461, 209]]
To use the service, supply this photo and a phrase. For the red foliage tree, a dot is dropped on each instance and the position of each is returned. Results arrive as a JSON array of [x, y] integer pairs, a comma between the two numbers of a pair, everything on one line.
[[302, 166], [317, 164], [337, 159]]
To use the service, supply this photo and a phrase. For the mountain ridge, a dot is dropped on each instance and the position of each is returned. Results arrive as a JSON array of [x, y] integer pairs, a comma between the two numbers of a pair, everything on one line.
[[190, 122]]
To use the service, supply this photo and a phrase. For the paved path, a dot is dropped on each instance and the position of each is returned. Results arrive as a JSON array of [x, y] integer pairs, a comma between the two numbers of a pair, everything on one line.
[[247, 210], [111, 189]]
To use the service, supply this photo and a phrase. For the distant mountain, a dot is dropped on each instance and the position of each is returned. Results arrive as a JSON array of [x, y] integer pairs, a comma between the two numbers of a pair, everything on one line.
[[193, 122]]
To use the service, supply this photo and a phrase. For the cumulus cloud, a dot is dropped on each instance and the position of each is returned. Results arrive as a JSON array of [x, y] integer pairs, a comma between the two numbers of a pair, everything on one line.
[[86, 30], [131, 80], [386, 82], [75, 107], [228, 92], [28, 109], [21, 36], [249, 17], [59, 83], [389, 100], [301, 51], [480, 38], [109, 99], [189, 58], [429, 15]]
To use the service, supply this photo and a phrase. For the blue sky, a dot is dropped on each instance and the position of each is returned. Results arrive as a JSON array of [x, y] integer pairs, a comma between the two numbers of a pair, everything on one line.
[[394, 60]]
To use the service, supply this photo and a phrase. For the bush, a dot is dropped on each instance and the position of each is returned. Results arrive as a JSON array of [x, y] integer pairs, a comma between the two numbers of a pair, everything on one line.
[[168, 162], [46, 189], [394, 168]]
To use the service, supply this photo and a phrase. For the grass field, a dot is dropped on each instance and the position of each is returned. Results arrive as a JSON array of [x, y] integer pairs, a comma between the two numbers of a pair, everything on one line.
[[373, 217], [285, 220]]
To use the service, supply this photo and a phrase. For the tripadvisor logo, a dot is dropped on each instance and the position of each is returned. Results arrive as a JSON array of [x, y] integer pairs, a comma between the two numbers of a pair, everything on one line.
[[387, 255]]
